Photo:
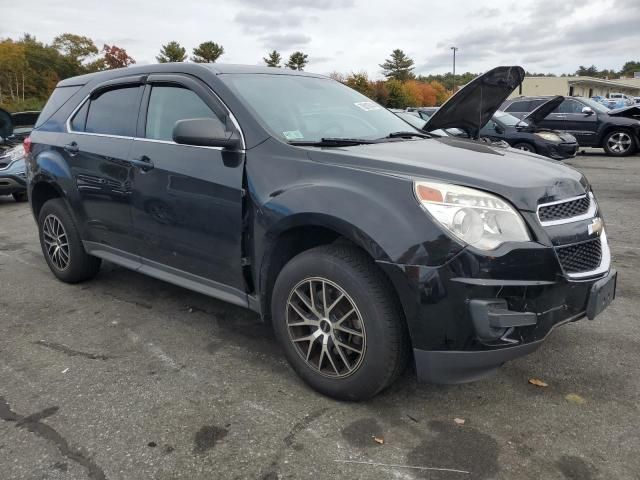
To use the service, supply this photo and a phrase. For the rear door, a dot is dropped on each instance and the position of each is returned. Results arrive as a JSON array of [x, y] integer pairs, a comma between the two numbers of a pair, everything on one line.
[[187, 204], [96, 147], [568, 117]]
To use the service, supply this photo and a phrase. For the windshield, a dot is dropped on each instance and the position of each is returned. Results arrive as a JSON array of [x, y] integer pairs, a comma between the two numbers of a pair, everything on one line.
[[296, 108], [507, 119], [595, 106], [412, 119]]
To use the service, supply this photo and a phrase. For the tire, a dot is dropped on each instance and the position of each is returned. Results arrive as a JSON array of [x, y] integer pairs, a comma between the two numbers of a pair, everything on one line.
[[55, 225], [377, 318], [619, 143], [526, 147], [20, 197]]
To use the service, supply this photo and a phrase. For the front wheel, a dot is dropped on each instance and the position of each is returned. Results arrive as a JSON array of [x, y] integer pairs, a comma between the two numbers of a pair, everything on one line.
[[618, 143], [338, 322], [525, 147]]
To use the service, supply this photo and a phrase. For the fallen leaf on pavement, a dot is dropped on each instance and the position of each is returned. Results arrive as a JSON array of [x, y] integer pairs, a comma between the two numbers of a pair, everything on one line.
[[575, 398], [379, 440], [537, 382], [459, 421]]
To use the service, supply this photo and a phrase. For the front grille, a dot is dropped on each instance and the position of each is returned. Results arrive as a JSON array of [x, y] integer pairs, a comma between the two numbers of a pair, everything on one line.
[[559, 211], [581, 257]]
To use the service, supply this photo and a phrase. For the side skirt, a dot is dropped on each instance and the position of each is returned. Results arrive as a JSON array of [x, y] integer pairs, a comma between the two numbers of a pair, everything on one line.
[[172, 275]]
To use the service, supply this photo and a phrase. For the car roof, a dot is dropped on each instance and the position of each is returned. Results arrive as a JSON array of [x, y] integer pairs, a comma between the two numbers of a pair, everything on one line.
[[182, 67]]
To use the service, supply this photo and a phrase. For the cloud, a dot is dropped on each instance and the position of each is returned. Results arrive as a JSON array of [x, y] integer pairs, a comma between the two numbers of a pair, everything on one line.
[[259, 22], [284, 41], [280, 5]]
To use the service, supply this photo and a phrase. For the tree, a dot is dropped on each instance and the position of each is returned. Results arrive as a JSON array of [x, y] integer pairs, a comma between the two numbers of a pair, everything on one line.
[[360, 82], [297, 61], [591, 71], [399, 97], [380, 92], [172, 52], [629, 68], [116, 57], [76, 47], [273, 59], [442, 94], [398, 67], [207, 52]]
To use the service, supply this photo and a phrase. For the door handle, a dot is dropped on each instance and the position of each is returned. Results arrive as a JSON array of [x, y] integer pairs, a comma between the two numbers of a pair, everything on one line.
[[72, 148], [144, 163]]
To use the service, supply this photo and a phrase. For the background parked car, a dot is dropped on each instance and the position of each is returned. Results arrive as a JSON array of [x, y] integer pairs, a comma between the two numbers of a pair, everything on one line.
[[523, 134], [593, 125], [14, 128], [626, 99]]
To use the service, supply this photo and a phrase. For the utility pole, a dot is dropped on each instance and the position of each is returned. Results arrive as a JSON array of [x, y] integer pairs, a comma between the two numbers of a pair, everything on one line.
[[455, 49]]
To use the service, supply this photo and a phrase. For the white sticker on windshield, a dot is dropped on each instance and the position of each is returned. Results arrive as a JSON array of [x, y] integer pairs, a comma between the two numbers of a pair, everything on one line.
[[367, 106], [293, 135]]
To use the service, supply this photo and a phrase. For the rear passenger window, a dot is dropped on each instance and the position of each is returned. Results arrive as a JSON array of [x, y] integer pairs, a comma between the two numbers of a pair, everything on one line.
[[80, 118], [167, 105], [115, 112], [569, 106]]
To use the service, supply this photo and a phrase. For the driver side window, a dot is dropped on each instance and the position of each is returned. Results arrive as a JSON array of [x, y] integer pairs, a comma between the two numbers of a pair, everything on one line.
[[569, 106], [167, 105]]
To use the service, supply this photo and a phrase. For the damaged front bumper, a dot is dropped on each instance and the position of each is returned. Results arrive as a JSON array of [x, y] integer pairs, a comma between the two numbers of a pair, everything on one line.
[[463, 327]]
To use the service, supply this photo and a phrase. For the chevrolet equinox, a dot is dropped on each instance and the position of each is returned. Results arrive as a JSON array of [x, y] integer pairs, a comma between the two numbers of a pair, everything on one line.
[[364, 242]]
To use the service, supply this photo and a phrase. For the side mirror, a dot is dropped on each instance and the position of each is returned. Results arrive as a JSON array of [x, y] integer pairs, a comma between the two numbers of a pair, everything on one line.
[[498, 128], [204, 132], [587, 110]]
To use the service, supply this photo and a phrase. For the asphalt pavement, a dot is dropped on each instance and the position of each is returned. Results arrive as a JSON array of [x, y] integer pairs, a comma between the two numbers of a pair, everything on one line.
[[127, 377]]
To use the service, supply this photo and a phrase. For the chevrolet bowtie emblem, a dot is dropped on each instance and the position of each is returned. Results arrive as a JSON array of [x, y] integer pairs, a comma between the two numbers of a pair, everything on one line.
[[596, 226]]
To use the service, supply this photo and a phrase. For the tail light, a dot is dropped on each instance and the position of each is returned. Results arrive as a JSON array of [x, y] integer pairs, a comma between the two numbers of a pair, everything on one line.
[[27, 145]]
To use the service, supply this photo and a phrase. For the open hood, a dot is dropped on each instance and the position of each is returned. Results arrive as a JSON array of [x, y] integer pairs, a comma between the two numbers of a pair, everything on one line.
[[540, 113], [475, 103], [632, 111], [6, 124]]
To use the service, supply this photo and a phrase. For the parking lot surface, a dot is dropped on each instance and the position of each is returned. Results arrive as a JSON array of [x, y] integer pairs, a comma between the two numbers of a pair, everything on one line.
[[127, 377]]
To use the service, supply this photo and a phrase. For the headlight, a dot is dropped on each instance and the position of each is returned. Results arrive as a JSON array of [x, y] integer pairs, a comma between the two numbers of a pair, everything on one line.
[[14, 154], [475, 217], [549, 136]]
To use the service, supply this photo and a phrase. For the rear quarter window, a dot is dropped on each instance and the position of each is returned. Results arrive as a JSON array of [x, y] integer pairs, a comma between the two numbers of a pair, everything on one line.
[[58, 98]]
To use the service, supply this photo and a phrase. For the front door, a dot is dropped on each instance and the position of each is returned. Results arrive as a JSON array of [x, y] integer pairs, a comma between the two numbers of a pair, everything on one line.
[[187, 201], [97, 149], [568, 117]]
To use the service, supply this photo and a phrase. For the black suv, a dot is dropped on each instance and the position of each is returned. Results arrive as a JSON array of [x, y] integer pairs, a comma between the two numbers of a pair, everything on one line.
[[593, 124], [361, 239]]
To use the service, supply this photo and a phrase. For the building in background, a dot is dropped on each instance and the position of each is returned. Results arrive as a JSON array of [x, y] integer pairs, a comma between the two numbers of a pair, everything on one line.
[[578, 86]]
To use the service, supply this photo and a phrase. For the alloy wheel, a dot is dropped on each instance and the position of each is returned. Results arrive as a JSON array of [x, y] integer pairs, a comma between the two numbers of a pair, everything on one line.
[[56, 242], [619, 142], [326, 328]]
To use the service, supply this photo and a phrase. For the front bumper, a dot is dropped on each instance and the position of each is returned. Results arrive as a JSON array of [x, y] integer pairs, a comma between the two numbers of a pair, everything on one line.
[[456, 341], [560, 151], [12, 184]]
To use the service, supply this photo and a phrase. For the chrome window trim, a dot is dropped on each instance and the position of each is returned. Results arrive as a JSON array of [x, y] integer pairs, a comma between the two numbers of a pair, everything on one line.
[[171, 142], [593, 207], [605, 262]]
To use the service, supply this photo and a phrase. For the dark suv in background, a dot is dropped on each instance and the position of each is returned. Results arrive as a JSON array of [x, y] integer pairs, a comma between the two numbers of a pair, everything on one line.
[[364, 241], [593, 124]]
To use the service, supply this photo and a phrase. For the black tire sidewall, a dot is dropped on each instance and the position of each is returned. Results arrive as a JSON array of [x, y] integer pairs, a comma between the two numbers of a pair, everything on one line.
[[373, 373], [81, 266], [630, 151]]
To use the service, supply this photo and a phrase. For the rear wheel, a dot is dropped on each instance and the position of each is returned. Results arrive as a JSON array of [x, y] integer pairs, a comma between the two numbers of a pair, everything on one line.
[[62, 246], [619, 143], [527, 147], [338, 322], [20, 197]]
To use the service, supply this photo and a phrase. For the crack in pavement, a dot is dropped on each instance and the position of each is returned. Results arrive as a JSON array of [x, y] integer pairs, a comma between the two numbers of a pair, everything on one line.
[[33, 424], [70, 351]]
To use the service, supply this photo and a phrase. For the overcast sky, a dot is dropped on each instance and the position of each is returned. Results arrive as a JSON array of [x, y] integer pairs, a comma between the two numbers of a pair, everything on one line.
[[355, 35]]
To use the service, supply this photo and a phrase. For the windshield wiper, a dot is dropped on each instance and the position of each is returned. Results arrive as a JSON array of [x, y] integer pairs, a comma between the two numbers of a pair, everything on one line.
[[407, 135], [333, 142]]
